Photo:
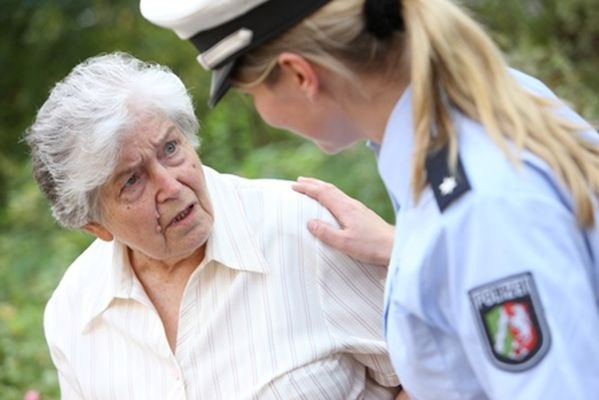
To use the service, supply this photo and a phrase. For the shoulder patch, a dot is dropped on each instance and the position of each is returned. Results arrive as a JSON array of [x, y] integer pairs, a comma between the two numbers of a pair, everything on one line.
[[447, 186], [511, 322]]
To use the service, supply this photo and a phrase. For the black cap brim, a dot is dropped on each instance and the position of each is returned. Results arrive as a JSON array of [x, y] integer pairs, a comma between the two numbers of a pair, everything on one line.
[[266, 21], [220, 83]]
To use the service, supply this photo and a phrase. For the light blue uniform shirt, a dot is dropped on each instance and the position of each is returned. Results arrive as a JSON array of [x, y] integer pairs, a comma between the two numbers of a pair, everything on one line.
[[503, 273]]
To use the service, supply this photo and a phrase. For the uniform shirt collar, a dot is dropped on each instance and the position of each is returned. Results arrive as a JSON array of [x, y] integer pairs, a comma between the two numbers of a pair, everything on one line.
[[394, 155], [232, 243]]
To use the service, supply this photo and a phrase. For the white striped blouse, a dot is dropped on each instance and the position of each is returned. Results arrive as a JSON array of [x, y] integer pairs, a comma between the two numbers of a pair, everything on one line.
[[270, 313]]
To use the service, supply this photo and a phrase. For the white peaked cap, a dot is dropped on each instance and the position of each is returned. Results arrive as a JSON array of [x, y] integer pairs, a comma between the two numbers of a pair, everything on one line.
[[224, 30], [187, 17]]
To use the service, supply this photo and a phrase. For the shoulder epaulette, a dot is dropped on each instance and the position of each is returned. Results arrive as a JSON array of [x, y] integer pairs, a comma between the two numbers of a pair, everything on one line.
[[447, 185]]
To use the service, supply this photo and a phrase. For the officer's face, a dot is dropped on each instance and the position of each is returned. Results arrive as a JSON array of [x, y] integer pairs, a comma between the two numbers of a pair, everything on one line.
[[311, 113]]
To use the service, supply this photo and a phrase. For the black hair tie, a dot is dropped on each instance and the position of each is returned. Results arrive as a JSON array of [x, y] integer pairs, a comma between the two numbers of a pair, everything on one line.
[[383, 17]]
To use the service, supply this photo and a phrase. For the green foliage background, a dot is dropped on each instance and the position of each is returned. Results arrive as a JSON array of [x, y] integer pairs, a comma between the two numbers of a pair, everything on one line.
[[42, 40]]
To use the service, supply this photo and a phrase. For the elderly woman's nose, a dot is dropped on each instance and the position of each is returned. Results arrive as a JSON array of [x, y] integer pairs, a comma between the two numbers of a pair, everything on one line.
[[166, 183]]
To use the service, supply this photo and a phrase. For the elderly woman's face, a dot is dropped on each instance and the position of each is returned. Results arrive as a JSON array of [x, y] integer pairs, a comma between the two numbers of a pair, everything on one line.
[[156, 202]]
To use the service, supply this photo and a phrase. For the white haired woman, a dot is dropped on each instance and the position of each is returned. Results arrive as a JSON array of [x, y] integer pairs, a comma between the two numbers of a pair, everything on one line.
[[201, 285], [494, 181]]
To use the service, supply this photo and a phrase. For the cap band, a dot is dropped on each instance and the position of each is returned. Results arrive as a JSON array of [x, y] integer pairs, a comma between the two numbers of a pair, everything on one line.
[[225, 48], [264, 22]]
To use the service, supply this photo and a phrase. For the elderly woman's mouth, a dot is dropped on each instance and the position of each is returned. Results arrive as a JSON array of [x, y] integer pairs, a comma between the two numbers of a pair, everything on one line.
[[181, 217]]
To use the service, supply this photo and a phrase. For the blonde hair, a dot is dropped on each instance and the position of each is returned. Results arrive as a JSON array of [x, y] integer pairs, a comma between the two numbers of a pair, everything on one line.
[[452, 62], [334, 37]]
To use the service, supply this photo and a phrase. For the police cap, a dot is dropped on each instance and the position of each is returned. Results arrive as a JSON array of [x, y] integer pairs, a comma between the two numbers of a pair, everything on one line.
[[224, 30]]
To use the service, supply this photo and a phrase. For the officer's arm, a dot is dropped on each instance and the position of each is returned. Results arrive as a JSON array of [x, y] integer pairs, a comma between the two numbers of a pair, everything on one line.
[[524, 306]]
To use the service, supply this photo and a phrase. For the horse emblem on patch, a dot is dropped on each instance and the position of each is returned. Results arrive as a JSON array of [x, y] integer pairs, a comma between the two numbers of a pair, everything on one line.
[[511, 322]]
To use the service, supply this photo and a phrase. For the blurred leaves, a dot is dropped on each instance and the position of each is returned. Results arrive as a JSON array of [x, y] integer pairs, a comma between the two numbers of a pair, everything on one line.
[[557, 41], [42, 40]]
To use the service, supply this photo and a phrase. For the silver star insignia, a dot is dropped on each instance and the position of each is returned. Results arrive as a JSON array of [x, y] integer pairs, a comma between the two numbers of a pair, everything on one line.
[[448, 185]]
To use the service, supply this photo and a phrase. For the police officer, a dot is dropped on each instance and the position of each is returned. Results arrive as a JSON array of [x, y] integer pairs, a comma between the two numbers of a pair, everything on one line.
[[492, 289]]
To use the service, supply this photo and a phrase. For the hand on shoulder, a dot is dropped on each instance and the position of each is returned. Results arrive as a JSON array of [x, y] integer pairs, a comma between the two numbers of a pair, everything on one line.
[[362, 234]]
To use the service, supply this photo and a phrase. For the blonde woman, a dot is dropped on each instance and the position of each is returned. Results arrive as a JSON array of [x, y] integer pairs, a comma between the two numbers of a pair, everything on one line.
[[492, 282]]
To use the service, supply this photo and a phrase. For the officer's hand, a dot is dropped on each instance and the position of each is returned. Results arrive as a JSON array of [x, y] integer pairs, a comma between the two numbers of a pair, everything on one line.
[[403, 395], [362, 233]]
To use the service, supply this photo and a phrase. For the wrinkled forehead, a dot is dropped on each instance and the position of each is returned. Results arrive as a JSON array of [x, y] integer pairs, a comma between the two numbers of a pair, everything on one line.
[[147, 134], [150, 128]]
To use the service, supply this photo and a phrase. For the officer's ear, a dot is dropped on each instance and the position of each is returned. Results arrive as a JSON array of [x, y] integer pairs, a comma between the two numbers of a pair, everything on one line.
[[302, 73]]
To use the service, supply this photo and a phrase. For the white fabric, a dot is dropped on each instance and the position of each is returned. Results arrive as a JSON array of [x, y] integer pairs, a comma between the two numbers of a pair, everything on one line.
[[184, 16], [269, 314]]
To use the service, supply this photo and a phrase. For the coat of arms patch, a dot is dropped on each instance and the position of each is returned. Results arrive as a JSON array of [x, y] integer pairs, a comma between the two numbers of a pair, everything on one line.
[[511, 322]]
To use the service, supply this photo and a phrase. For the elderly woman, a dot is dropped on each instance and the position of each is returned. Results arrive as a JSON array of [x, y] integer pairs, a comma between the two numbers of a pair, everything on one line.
[[202, 285]]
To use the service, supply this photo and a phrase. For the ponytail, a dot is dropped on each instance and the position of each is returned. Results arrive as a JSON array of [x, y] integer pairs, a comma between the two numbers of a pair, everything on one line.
[[455, 64]]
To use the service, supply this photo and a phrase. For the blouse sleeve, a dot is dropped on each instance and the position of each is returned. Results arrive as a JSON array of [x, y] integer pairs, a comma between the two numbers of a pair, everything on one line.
[[352, 299]]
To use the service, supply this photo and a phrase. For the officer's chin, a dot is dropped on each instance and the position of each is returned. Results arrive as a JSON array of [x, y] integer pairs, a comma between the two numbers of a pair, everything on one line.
[[332, 148]]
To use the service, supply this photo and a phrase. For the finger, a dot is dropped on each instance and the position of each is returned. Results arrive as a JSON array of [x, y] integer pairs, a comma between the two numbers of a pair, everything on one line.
[[325, 193], [326, 233], [304, 187], [338, 203], [310, 179], [403, 395], [311, 186]]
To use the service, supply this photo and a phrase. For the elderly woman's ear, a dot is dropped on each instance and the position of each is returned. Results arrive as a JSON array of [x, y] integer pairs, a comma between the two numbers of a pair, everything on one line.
[[98, 231]]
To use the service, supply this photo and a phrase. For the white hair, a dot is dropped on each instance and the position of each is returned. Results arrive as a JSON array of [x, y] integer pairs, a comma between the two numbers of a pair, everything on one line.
[[77, 132]]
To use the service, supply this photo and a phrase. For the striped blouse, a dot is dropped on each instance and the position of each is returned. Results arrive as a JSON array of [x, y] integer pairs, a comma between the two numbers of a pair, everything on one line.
[[270, 313]]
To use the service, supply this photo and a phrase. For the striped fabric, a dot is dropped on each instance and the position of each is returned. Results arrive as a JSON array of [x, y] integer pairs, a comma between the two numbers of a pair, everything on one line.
[[270, 313]]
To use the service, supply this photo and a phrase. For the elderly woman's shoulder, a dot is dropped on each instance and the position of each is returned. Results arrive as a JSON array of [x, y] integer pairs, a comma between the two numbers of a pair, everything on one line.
[[79, 288], [276, 189], [265, 197], [87, 270]]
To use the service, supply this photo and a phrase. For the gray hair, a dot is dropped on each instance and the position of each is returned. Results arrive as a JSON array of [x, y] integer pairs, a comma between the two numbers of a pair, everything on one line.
[[76, 135]]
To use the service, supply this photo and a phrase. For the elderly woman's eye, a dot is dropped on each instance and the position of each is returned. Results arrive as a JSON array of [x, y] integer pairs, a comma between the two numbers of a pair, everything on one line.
[[170, 147], [132, 180]]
